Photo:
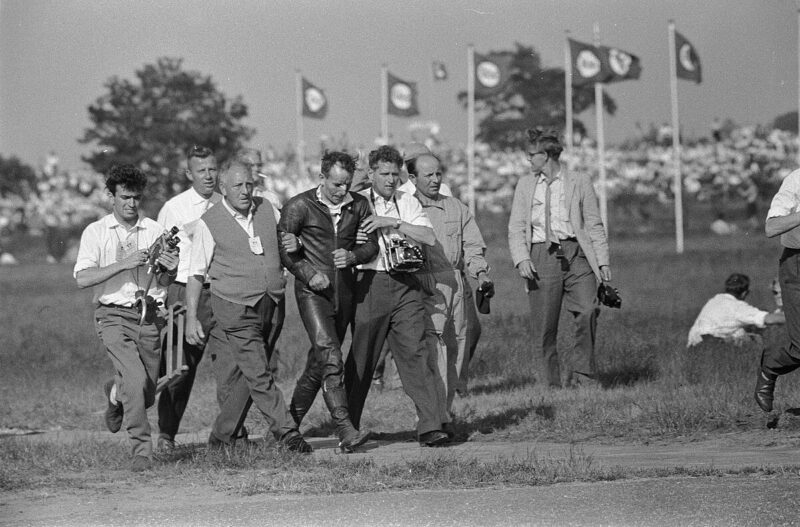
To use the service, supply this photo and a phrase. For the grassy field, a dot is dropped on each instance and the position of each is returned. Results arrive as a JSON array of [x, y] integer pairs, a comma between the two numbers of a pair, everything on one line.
[[52, 365]]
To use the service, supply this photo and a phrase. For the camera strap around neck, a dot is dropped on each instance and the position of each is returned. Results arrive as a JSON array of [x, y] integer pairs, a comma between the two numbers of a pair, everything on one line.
[[386, 243]]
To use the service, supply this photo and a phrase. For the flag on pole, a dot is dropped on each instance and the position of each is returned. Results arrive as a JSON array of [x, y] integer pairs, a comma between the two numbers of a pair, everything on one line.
[[315, 103], [619, 64], [492, 72], [587, 65], [439, 71], [688, 64], [402, 97]]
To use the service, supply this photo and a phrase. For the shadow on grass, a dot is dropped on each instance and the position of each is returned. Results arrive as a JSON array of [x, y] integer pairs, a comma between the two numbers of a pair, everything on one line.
[[500, 421], [502, 385], [626, 376]]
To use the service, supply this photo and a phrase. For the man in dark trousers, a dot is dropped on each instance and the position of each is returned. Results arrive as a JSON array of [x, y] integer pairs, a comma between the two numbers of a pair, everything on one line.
[[783, 219], [389, 303], [326, 219], [236, 246], [184, 211]]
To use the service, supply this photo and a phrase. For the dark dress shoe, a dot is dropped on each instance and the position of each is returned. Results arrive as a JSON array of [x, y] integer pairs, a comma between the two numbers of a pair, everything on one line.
[[765, 390], [295, 443], [113, 414], [433, 438], [450, 430]]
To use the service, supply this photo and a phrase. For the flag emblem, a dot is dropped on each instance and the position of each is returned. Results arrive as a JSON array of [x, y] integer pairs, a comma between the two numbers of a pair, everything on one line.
[[492, 73], [620, 61], [685, 56], [314, 100], [439, 71], [488, 74], [315, 103], [588, 64], [688, 62], [619, 65], [402, 97]]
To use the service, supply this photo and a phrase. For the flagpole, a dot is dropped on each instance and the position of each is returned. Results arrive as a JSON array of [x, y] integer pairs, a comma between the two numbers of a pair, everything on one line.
[[301, 162], [471, 128], [568, 97], [677, 183], [601, 141], [384, 104], [798, 82]]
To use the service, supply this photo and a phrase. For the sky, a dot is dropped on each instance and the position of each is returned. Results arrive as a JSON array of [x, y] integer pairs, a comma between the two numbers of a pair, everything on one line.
[[56, 55]]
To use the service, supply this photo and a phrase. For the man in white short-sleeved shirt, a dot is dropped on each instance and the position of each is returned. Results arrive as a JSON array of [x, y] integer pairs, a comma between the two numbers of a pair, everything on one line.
[[389, 304], [727, 316], [783, 219], [112, 258], [184, 211]]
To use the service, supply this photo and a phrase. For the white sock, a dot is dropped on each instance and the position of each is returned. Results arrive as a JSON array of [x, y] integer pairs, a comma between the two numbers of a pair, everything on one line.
[[112, 396]]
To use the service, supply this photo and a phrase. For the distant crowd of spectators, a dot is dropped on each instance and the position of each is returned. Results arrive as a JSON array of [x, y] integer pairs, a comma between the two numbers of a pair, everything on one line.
[[745, 166]]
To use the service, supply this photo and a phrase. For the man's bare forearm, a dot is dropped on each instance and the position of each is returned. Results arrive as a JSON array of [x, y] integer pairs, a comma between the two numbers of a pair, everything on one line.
[[781, 224], [98, 275], [194, 284]]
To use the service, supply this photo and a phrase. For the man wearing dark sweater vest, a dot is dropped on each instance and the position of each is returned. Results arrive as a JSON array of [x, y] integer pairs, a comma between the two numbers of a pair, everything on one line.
[[236, 246]]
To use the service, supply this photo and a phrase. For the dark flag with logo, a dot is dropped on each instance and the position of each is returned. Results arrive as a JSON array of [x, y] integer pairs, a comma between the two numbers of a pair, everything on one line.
[[439, 71], [315, 103], [587, 66], [620, 64], [492, 72], [402, 97], [687, 61]]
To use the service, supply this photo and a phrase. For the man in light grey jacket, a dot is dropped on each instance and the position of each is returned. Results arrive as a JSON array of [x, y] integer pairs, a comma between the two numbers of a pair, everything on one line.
[[558, 244]]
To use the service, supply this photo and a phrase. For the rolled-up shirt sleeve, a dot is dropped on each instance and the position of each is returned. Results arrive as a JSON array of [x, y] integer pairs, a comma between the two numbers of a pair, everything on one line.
[[788, 197], [415, 214], [750, 315], [202, 250], [88, 251]]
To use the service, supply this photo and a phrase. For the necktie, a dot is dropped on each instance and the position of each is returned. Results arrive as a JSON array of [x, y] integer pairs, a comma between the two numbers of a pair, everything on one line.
[[548, 231]]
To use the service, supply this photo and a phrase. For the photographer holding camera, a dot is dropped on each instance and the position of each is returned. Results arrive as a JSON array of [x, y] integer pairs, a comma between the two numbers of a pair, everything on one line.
[[558, 244], [459, 247], [389, 303], [112, 258]]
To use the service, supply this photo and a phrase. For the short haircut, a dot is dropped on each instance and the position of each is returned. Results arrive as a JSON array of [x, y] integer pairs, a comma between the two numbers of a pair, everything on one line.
[[127, 176], [243, 153], [343, 159], [385, 154], [229, 165], [411, 164], [198, 151], [547, 141], [737, 284]]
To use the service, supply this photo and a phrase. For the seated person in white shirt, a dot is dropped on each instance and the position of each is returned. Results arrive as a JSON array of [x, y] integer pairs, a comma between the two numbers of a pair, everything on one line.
[[728, 317]]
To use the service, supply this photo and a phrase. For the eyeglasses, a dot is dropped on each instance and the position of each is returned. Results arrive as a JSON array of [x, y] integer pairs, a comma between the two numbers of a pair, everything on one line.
[[533, 154], [199, 151]]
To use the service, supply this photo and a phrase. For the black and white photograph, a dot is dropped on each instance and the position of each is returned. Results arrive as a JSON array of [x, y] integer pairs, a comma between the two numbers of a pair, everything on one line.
[[399, 263]]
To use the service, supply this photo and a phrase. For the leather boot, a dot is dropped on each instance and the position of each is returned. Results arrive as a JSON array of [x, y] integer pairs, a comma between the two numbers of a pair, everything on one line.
[[349, 436], [765, 390], [305, 391]]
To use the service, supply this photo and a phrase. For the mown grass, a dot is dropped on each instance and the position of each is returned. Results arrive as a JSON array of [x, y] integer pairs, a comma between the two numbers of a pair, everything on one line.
[[52, 365], [94, 465]]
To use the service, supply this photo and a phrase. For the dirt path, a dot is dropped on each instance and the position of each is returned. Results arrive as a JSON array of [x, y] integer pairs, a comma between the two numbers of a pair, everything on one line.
[[135, 503]]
